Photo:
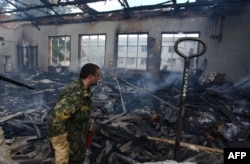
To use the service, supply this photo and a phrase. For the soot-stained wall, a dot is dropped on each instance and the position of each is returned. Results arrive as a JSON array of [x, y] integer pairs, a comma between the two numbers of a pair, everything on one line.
[[11, 37], [227, 54]]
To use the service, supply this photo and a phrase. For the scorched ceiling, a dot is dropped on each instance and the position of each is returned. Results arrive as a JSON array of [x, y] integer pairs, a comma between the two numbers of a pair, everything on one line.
[[40, 12]]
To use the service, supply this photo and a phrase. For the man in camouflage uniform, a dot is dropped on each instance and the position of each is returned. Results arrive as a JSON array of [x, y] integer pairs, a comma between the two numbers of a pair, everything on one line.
[[68, 121]]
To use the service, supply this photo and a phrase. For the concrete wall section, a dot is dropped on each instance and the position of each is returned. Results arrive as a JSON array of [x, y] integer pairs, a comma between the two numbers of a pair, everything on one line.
[[8, 49], [231, 54]]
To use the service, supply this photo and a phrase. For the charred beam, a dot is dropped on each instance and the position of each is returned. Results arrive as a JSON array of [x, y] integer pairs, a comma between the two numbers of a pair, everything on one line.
[[124, 4], [183, 144], [40, 18], [48, 6], [128, 10], [29, 16], [86, 9], [14, 82], [146, 7], [46, 2]]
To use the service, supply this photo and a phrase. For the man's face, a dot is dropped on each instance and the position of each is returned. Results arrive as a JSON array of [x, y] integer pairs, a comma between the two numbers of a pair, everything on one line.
[[96, 77]]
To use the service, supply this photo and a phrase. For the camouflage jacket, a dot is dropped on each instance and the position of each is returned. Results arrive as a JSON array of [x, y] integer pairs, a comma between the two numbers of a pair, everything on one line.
[[71, 114]]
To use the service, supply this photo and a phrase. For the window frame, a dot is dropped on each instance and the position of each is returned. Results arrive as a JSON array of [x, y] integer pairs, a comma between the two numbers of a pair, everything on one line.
[[66, 47], [170, 60], [96, 51], [132, 45]]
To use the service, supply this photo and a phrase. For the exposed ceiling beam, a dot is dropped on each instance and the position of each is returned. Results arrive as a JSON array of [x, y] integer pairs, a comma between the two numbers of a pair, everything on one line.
[[124, 4], [46, 2], [103, 15], [29, 16], [51, 5]]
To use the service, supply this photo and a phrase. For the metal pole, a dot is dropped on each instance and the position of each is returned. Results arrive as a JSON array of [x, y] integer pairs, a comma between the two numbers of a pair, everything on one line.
[[184, 86]]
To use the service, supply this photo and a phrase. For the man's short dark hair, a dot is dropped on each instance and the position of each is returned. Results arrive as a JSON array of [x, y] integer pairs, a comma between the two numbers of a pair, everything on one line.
[[88, 69]]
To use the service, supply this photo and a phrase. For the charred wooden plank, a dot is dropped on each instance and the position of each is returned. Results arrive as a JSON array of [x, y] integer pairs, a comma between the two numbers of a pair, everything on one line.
[[229, 114], [15, 82], [224, 110], [112, 132], [244, 134], [8, 117], [183, 144], [20, 143]]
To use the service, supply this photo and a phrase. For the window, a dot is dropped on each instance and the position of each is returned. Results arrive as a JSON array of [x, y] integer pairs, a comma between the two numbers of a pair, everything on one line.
[[169, 59], [92, 49], [132, 51], [171, 49], [143, 48], [59, 50]]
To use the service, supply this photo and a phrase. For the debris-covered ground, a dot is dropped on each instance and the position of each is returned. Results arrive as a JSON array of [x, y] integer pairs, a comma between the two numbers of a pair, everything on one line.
[[138, 118]]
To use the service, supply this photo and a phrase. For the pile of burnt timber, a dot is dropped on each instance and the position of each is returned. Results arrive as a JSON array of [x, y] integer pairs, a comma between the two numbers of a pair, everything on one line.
[[135, 120]]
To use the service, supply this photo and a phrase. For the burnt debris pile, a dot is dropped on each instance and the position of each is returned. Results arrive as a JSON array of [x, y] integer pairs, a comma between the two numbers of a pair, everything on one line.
[[135, 118]]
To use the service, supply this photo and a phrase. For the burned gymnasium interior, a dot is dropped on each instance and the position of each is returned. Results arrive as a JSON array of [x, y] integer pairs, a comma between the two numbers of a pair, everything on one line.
[[175, 84]]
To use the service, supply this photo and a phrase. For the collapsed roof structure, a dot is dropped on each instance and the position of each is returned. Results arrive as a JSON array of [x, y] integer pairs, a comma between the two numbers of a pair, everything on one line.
[[42, 12]]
